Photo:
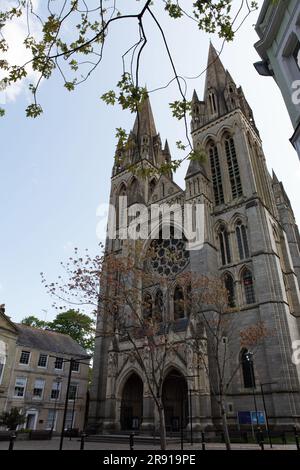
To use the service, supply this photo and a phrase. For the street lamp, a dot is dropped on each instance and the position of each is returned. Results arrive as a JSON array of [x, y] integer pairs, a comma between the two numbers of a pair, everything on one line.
[[71, 361], [58, 381], [249, 359], [265, 409]]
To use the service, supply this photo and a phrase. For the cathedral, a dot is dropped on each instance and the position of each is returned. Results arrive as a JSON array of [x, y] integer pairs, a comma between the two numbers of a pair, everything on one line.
[[251, 242]]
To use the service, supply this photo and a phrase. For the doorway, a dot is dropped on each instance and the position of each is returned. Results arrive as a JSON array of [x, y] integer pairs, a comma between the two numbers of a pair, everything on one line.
[[132, 403], [175, 400]]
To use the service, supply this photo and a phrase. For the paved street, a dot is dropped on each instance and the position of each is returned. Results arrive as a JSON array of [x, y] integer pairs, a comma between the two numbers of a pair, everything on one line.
[[74, 444]]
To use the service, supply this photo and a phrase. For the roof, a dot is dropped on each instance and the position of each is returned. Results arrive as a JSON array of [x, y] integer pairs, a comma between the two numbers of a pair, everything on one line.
[[7, 319], [47, 340]]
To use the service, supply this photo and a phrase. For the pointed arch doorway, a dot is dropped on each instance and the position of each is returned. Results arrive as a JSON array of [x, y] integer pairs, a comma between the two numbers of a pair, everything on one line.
[[132, 403], [175, 400]]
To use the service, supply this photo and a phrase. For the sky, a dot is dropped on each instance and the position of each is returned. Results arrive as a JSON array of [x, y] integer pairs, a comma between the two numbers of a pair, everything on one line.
[[55, 170]]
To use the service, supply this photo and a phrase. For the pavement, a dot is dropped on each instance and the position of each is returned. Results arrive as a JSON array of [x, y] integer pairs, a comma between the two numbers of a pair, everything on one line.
[[74, 444]]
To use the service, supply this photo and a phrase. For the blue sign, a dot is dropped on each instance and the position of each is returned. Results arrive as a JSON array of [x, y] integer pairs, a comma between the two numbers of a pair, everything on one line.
[[244, 417], [251, 417], [260, 416]]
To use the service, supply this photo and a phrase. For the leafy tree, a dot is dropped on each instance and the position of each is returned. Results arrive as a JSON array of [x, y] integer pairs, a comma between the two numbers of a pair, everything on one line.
[[73, 323], [70, 38], [12, 419], [33, 321], [77, 325]]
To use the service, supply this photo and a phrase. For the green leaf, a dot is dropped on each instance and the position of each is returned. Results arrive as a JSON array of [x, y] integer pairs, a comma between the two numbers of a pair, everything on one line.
[[33, 110]]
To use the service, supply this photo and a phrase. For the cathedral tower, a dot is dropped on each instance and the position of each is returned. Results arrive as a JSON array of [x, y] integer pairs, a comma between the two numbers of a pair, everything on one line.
[[251, 243]]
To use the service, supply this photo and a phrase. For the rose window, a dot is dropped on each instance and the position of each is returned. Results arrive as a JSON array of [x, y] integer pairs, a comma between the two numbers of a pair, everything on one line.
[[168, 257]]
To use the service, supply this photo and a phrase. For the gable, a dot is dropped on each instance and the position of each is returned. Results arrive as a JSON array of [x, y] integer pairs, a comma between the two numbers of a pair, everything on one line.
[[7, 325], [170, 189]]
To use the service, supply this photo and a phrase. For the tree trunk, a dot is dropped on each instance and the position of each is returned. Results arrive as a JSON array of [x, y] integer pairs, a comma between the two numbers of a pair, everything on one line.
[[162, 427], [225, 424]]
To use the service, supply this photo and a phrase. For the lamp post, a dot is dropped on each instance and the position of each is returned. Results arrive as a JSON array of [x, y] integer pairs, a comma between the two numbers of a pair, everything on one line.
[[58, 381], [265, 409], [71, 361], [249, 358], [191, 416], [66, 405]]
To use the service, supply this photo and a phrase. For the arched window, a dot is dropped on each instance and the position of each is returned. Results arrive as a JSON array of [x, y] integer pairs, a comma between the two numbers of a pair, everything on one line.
[[121, 206], [147, 307], [216, 174], [152, 185], [188, 300], [178, 303], [134, 191], [229, 286], [242, 241], [247, 368], [233, 168], [247, 281], [224, 245], [159, 305]]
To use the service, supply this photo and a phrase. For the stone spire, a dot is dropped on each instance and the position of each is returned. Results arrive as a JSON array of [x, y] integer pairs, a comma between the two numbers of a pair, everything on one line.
[[144, 143], [195, 98], [221, 95], [144, 122], [216, 75]]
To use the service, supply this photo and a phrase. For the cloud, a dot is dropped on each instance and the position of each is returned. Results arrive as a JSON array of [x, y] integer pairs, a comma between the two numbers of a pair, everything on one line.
[[14, 33]]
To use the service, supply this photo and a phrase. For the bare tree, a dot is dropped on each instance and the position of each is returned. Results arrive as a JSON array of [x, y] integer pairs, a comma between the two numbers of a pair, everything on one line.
[[117, 287], [212, 318]]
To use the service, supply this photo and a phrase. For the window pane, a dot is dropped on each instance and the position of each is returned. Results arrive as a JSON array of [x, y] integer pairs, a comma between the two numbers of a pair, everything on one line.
[[245, 241], [69, 420], [158, 305], [24, 358], [178, 303], [58, 363], [56, 386], [239, 242], [38, 388], [20, 386], [248, 369], [229, 285], [42, 360], [72, 391], [147, 307], [233, 168], [51, 419], [75, 366], [216, 175], [248, 287]]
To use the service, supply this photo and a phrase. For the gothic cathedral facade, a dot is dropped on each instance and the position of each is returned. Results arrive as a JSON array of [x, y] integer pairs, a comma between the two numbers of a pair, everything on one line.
[[251, 241]]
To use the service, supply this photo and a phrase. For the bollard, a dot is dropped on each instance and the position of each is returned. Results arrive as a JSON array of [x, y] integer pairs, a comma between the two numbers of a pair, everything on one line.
[[262, 445], [296, 438], [260, 437], [131, 441], [83, 436], [12, 441], [203, 440]]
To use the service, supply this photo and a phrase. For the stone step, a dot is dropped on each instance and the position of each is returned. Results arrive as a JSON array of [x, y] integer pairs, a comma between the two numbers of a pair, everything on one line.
[[138, 438]]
